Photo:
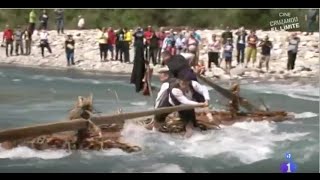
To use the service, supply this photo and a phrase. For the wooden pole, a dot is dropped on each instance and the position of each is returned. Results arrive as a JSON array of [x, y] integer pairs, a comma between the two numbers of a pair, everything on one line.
[[227, 94], [73, 125]]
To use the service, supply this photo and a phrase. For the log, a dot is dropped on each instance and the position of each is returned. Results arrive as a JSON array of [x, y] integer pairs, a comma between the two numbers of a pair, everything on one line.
[[227, 94], [73, 125]]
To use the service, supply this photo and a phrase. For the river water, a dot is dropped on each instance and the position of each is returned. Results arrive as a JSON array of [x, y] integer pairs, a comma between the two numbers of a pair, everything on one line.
[[31, 96]]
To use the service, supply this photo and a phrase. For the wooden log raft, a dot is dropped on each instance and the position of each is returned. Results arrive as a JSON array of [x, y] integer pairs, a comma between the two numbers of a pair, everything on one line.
[[82, 131]]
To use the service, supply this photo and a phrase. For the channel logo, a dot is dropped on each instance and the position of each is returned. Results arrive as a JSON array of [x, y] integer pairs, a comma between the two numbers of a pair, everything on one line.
[[289, 166]]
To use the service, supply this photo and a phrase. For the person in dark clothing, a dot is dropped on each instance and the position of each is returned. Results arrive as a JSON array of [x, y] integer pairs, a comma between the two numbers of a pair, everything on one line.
[[119, 44], [177, 64], [139, 62], [293, 46], [27, 36], [225, 35], [60, 20], [241, 45], [266, 47], [18, 40], [153, 48], [69, 45], [44, 20], [312, 17]]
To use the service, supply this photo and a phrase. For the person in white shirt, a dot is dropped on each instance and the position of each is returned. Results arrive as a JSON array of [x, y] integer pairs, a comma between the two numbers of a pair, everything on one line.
[[81, 22], [214, 48], [181, 91], [44, 42]]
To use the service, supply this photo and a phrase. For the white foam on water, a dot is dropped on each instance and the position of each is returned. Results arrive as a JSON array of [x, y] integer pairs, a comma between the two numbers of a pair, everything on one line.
[[305, 115], [164, 168], [75, 80], [109, 152], [16, 80], [26, 153], [249, 142], [294, 90], [139, 103], [307, 153]]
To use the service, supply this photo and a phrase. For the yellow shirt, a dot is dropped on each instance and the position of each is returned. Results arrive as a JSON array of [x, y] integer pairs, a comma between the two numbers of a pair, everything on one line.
[[128, 36], [102, 38]]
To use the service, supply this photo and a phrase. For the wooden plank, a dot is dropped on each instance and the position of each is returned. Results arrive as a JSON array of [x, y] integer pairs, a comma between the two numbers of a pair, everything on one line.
[[43, 129], [227, 94], [73, 125]]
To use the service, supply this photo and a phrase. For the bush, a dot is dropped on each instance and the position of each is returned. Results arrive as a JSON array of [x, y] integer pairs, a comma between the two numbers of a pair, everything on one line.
[[131, 18]]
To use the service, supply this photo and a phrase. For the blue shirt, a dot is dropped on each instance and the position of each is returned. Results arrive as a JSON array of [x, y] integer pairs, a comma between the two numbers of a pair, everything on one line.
[[228, 48]]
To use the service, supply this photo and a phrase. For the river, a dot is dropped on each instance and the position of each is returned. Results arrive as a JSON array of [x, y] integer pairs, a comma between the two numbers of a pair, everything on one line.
[[30, 96]]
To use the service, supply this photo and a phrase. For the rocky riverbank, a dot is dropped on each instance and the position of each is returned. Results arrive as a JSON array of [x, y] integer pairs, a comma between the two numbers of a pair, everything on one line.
[[87, 56]]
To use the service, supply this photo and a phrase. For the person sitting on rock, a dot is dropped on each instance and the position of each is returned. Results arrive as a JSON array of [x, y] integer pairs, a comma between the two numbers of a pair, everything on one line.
[[69, 46], [266, 47]]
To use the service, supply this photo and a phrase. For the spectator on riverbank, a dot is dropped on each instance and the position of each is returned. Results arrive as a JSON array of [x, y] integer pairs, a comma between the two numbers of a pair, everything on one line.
[[180, 44], [44, 41], [161, 36], [119, 44], [111, 42], [251, 51], [102, 40], [44, 18], [60, 20], [126, 45], [27, 36], [294, 41], [147, 37], [18, 40], [226, 34], [241, 45], [266, 47], [32, 21], [81, 22], [8, 37], [214, 48], [153, 51], [227, 50], [312, 18], [69, 46]]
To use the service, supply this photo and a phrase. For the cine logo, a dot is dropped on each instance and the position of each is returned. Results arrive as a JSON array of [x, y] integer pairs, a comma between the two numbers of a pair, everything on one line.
[[288, 166]]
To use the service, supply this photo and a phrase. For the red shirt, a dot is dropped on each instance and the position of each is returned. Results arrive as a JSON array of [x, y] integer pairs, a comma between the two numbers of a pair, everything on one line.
[[147, 35], [8, 34], [111, 37]]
